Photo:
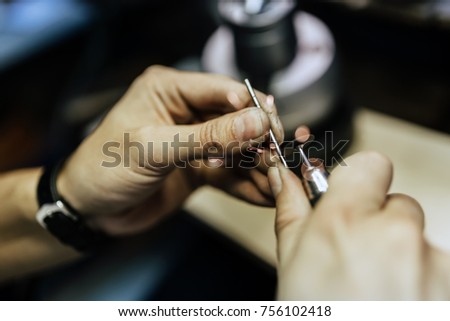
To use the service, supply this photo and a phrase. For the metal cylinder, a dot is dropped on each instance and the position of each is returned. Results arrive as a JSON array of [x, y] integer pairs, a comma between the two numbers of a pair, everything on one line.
[[265, 40]]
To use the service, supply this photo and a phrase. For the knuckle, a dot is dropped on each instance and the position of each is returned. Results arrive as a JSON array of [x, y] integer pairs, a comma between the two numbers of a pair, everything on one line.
[[154, 73], [142, 133], [378, 158], [208, 136], [403, 231], [222, 77], [407, 207], [207, 133], [411, 204], [156, 69], [287, 215]]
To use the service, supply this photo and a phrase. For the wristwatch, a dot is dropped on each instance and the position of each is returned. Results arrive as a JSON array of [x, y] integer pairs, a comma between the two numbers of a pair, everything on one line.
[[58, 217]]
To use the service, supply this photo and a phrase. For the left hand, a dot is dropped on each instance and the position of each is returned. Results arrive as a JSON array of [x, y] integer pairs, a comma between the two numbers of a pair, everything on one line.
[[149, 181]]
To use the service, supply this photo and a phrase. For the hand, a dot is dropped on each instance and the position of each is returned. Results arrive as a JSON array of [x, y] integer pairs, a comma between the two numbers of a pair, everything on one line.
[[123, 179], [359, 243]]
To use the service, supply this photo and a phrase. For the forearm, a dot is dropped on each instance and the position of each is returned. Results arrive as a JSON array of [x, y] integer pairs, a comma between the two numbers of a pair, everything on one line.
[[25, 247]]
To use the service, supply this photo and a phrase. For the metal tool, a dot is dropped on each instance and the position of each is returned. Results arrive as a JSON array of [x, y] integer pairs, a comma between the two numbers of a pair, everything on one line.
[[315, 179], [271, 134]]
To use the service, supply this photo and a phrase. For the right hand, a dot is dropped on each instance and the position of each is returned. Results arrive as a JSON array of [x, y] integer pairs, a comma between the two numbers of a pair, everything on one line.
[[359, 243]]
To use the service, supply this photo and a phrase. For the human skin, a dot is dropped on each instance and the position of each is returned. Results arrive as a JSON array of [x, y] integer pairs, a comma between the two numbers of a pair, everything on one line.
[[359, 242], [160, 105]]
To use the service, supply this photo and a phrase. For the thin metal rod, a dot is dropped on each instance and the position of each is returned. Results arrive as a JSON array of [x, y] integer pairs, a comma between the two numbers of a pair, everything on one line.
[[304, 158], [271, 134]]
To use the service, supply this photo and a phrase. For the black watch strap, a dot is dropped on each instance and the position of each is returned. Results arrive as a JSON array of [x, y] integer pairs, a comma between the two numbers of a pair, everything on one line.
[[60, 219]]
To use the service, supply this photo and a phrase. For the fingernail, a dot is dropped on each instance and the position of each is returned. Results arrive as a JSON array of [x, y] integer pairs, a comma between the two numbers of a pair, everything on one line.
[[269, 106], [270, 101], [275, 180], [215, 162], [302, 134], [249, 125], [255, 149]]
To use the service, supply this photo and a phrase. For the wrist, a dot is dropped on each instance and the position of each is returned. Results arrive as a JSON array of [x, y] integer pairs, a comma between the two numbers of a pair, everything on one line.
[[60, 218], [71, 189], [25, 185]]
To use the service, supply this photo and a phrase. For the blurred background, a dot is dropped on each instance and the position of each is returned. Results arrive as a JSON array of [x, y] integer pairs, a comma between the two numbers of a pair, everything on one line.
[[64, 63]]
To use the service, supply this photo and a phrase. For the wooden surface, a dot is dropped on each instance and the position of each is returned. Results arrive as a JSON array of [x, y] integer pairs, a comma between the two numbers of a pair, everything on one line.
[[421, 159]]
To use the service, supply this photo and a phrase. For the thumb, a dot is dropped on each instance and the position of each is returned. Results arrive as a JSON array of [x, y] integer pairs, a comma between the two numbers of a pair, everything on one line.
[[292, 206], [215, 138]]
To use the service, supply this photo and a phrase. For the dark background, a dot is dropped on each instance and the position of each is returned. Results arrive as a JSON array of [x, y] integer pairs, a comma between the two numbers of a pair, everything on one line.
[[395, 59]]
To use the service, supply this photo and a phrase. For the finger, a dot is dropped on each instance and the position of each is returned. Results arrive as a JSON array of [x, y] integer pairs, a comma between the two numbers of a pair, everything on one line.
[[205, 91], [275, 122], [291, 201], [268, 105], [359, 185], [216, 174], [405, 207], [302, 134], [236, 101], [200, 91], [239, 186], [208, 116], [265, 160], [246, 190], [261, 182], [212, 92], [438, 265], [228, 134]]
